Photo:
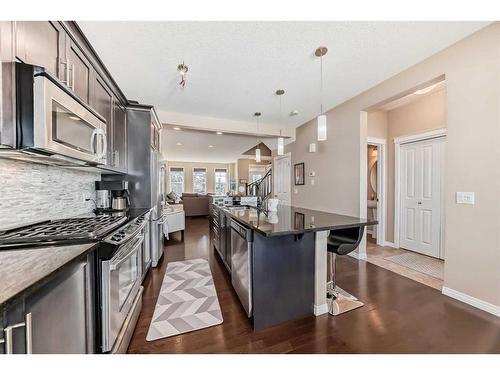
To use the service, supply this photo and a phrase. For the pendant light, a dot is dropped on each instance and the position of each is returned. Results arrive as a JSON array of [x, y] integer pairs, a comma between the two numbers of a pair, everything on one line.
[[281, 140], [320, 52], [257, 150]]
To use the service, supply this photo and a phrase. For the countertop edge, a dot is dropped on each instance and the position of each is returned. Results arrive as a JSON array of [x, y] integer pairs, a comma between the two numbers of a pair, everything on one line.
[[42, 280]]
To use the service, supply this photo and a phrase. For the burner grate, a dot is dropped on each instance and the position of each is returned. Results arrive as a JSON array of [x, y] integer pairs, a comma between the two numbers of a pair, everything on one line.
[[63, 229]]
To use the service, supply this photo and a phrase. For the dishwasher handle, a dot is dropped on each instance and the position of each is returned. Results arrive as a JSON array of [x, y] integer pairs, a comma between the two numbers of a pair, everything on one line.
[[242, 231]]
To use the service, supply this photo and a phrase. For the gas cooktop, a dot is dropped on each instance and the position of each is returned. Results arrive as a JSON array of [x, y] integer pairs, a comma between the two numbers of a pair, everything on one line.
[[63, 230]]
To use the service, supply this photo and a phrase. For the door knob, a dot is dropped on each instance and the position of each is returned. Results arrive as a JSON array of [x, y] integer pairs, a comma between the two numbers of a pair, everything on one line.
[[419, 202]]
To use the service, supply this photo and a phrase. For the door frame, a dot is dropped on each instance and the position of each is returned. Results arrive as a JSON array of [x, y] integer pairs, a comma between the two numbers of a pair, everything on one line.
[[381, 186], [288, 156], [398, 142]]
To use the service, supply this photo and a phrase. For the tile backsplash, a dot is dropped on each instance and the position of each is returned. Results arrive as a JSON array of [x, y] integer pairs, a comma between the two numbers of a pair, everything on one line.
[[33, 192]]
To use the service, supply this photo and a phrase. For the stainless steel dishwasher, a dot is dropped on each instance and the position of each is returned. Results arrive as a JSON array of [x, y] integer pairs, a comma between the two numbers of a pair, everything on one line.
[[241, 264]]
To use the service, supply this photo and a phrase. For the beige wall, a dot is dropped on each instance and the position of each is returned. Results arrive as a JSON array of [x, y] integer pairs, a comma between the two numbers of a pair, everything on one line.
[[243, 165], [426, 113], [472, 70], [188, 173]]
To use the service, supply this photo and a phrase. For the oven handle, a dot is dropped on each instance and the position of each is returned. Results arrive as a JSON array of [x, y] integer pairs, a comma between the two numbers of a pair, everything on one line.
[[113, 266]]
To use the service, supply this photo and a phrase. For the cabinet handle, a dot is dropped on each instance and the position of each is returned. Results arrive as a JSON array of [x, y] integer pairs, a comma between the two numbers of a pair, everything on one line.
[[28, 335], [71, 84], [66, 72]]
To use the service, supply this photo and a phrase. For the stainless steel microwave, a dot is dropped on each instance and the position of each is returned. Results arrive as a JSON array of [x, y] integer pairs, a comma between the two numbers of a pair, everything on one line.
[[44, 118]]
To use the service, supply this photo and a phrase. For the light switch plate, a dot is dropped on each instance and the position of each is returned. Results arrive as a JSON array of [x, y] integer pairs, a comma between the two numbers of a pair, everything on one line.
[[295, 191], [312, 181], [464, 197]]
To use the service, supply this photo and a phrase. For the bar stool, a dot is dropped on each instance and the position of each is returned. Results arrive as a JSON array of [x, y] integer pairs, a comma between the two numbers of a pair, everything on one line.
[[341, 242]]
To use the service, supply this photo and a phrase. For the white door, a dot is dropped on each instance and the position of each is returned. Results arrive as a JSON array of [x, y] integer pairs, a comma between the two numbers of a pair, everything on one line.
[[421, 198], [281, 188]]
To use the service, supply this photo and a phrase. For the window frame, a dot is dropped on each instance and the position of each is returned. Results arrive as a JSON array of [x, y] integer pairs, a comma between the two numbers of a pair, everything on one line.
[[170, 178], [226, 185], [206, 179]]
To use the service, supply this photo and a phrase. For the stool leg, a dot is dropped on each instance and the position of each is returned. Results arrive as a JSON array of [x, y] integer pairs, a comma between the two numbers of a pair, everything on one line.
[[339, 301]]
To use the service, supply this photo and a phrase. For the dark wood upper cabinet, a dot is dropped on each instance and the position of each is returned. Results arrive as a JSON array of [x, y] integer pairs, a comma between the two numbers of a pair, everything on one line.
[[102, 101], [119, 137], [80, 71], [42, 43]]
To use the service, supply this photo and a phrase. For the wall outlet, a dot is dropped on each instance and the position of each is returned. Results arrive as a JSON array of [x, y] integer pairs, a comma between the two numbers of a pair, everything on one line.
[[312, 181], [312, 174], [465, 197]]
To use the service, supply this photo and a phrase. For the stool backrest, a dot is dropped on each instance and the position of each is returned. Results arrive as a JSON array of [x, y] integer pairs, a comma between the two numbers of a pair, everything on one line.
[[344, 241]]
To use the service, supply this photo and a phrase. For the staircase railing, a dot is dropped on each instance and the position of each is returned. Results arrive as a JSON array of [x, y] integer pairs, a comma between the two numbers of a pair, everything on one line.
[[261, 188]]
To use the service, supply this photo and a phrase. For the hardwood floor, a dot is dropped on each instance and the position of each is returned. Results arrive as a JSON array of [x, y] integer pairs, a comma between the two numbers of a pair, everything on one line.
[[400, 315]]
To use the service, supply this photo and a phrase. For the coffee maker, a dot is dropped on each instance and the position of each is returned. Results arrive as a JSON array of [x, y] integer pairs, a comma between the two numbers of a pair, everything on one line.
[[112, 195]]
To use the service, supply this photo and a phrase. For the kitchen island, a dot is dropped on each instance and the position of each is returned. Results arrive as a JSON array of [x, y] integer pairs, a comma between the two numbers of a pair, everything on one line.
[[278, 259]]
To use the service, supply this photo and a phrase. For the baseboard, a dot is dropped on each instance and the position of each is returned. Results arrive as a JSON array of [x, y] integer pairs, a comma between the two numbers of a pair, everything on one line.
[[390, 244], [321, 309], [356, 255], [476, 302]]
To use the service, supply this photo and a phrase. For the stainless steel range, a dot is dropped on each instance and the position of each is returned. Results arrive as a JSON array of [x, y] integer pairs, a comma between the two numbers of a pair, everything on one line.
[[122, 257]]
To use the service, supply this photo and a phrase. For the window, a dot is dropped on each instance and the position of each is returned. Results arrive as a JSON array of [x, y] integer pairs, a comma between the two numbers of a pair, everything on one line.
[[220, 181], [177, 180], [200, 180]]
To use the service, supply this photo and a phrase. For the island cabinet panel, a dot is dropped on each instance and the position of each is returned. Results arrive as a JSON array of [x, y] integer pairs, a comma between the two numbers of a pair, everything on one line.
[[56, 317], [282, 278], [42, 43]]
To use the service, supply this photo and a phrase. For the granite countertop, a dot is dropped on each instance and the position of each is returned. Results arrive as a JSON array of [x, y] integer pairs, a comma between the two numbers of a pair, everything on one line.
[[20, 269], [293, 220]]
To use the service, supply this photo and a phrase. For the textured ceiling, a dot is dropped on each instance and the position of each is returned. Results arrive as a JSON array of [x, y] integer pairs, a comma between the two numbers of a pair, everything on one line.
[[235, 67]]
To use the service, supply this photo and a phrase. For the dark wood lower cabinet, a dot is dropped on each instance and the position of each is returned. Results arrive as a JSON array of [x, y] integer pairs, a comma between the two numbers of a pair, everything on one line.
[[57, 318]]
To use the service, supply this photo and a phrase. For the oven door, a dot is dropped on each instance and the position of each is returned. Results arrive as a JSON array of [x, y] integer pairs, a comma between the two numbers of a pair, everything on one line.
[[64, 126], [121, 281]]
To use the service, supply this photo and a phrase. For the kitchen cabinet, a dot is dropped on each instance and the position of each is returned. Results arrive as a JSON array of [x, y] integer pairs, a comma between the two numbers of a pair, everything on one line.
[[119, 158], [42, 43], [57, 317], [102, 101], [80, 71]]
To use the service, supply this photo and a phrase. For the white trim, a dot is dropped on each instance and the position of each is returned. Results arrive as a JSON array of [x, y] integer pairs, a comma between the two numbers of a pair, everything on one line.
[[473, 301], [381, 186], [288, 156], [321, 309], [441, 132], [376, 141], [398, 142], [389, 244]]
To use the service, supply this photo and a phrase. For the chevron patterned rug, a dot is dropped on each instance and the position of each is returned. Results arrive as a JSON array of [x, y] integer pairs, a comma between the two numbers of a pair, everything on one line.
[[187, 301]]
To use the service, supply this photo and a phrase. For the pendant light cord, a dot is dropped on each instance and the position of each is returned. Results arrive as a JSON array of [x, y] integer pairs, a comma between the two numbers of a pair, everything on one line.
[[321, 82]]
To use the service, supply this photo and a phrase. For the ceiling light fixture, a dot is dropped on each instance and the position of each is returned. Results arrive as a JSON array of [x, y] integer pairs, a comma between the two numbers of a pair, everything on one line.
[[294, 113], [219, 133], [75, 118], [179, 144], [211, 146], [182, 69], [320, 52], [257, 150], [281, 140], [177, 128]]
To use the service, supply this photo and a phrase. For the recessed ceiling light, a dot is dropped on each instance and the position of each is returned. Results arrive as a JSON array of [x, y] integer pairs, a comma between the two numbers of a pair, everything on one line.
[[179, 144], [74, 118], [219, 133], [211, 146], [176, 128]]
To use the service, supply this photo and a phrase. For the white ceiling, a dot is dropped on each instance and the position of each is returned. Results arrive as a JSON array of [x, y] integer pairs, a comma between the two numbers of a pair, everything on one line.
[[195, 145], [235, 67]]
